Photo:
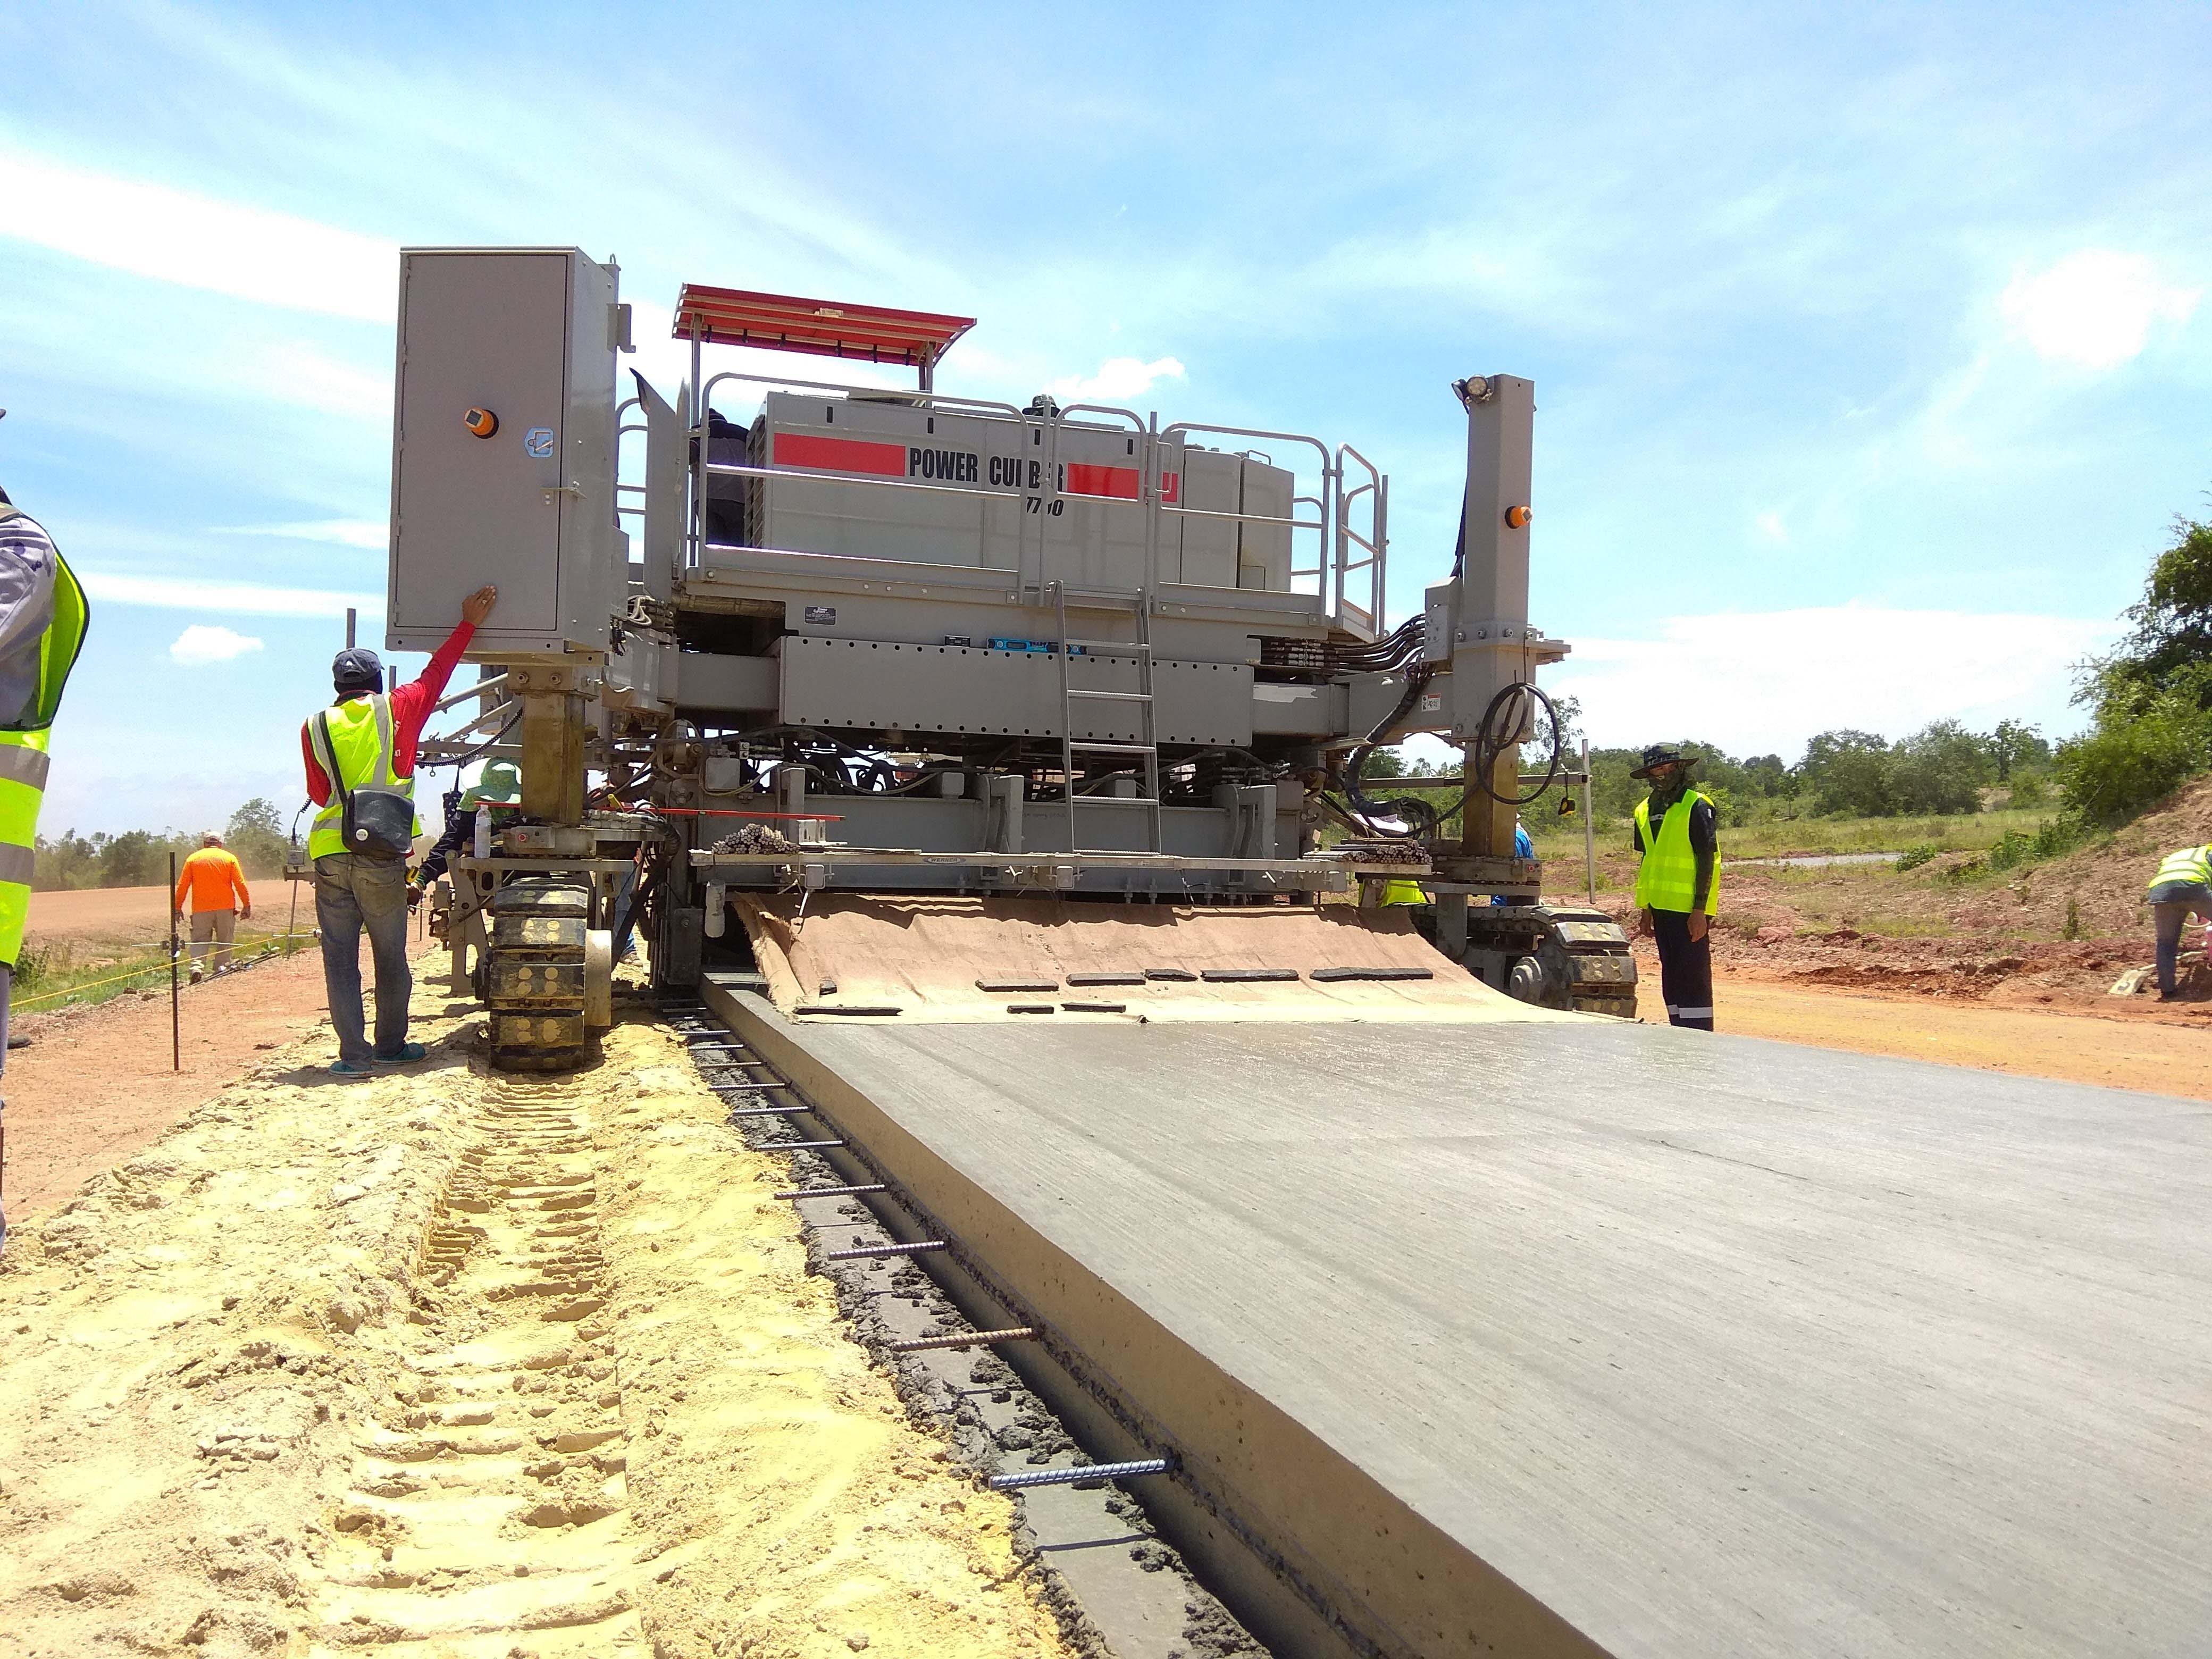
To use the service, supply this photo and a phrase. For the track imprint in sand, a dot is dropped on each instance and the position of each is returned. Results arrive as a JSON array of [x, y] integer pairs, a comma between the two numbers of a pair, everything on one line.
[[489, 1496]]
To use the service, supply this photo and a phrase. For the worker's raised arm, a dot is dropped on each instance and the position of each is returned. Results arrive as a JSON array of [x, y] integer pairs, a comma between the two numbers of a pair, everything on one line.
[[411, 703]]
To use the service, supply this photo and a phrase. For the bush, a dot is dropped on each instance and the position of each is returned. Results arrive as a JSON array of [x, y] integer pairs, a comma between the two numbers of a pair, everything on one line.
[[1913, 857], [35, 965], [2132, 762]]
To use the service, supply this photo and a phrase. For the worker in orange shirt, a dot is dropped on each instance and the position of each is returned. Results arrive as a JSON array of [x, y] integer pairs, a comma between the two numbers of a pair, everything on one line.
[[212, 877]]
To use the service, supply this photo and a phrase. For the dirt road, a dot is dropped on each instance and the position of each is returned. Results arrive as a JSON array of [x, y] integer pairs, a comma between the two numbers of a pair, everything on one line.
[[2122, 1050], [95, 1085], [103, 915]]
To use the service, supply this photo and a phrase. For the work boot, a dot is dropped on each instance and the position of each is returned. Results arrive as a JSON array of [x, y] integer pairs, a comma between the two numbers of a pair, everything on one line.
[[408, 1055]]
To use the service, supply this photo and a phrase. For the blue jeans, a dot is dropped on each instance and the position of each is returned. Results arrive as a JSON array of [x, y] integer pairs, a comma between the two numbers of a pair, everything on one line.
[[2171, 904], [351, 893]]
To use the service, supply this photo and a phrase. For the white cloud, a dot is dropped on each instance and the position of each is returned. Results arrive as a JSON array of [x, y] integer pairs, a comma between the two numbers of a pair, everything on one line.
[[229, 599], [196, 242], [299, 374], [2095, 307], [370, 533], [1764, 682], [201, 644], [1117, 381], [1770, 525]]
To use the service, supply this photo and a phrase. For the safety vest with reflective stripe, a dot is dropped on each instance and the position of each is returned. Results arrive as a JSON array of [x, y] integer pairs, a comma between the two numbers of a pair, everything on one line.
[[23, 752], [361, 732], [2191, 865], [1403, 892], [1668, 878]]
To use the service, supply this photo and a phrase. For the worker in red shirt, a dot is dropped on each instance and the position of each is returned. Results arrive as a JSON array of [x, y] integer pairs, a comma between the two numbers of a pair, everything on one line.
[[368, 739]]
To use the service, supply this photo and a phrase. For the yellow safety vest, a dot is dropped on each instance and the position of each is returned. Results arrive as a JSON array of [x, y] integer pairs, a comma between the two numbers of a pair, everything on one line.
[[23, 752], [1668, 878], [361, 733], [1403, 892], [2192, 864]]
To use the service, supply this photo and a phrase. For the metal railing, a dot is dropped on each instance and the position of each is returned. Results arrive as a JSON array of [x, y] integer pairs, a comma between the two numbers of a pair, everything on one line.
[[1341, 553]]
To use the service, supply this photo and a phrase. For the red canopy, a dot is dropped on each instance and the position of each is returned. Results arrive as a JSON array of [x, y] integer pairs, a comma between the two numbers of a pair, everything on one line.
[[780, 322]]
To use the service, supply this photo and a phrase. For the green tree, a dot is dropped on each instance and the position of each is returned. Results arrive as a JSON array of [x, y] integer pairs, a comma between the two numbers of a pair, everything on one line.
[[2152, 695], [1939, 768], [136, 858], [1848, 772], [2016, 744], [256, 834], [67, 860]]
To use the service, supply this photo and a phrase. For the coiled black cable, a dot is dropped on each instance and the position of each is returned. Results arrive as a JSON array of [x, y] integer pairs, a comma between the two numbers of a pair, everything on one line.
[[1495, 735]]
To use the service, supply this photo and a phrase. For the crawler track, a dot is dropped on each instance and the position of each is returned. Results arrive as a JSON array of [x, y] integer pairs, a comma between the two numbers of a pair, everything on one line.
[[488, 1499]]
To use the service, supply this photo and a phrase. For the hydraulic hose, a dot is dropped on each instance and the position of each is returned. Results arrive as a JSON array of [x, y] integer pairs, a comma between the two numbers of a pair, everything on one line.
[[1497, 732], [1418, 817]]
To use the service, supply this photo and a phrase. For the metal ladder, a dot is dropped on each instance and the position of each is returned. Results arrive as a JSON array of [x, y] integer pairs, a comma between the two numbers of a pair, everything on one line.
[[1147, 746]]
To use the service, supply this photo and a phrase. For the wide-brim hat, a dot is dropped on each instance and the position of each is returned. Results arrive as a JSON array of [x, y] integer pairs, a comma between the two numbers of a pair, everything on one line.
[[1659, 755], [500, 785]]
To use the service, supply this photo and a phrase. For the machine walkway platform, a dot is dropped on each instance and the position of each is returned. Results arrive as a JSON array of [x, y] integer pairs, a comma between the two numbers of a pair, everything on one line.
[[1565, 1336]]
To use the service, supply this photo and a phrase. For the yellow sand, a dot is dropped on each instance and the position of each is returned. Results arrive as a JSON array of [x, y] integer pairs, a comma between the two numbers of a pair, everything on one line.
[[451, 1366]]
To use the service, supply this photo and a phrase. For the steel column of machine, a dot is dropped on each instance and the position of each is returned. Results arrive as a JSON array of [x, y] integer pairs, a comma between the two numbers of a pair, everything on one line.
[[1490, 631], [552, 742]]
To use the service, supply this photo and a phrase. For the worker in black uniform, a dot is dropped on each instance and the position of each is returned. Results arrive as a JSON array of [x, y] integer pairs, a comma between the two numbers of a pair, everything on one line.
[[1678, 884]]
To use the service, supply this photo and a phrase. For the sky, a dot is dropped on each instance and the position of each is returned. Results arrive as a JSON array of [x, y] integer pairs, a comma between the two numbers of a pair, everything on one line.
[[1872, 351]]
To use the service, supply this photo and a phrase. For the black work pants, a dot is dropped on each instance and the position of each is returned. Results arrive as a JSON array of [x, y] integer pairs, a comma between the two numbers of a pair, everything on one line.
[[1686, 969]]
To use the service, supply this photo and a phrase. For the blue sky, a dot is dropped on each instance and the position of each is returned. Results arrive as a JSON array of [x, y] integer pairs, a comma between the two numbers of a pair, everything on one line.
[[1872, 352]]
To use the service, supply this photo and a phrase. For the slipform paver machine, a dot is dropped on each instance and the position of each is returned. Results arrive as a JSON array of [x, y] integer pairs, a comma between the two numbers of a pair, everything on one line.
[[937, 643], [1499, 1331]]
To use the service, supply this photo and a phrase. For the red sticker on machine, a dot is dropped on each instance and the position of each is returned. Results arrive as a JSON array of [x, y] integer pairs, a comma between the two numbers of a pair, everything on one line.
[[839, 454], [1118, 481]]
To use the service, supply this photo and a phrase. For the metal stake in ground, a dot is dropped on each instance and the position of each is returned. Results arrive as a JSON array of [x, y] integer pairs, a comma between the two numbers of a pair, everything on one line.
[[176, 996]]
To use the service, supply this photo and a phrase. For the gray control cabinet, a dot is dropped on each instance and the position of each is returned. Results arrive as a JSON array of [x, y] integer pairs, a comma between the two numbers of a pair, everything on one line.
[[529, 337]]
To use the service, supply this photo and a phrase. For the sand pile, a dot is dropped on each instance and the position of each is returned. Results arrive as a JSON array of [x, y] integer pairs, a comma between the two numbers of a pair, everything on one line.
[[446, 1365]]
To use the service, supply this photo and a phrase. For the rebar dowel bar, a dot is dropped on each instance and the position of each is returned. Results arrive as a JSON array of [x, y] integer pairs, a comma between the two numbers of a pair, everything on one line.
[[833, 1192], [796, 1145], [176, 994], [967, 1339], [768, 1111], [866, 1251], [1083, 1472]]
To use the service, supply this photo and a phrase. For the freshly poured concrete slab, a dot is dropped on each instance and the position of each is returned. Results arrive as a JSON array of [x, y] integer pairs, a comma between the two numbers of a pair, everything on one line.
[[1577, 1336]]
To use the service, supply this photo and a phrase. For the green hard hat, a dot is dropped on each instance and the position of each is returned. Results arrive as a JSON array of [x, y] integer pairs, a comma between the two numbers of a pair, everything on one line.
[[500, 785]]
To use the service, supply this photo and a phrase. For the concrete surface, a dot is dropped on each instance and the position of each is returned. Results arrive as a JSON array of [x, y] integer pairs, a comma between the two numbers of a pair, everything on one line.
[[1564, 1337]]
